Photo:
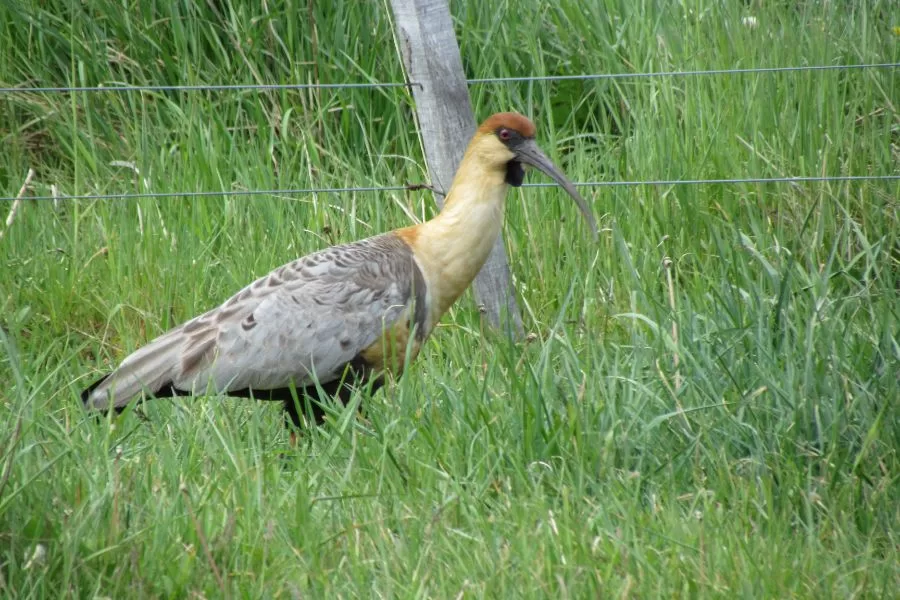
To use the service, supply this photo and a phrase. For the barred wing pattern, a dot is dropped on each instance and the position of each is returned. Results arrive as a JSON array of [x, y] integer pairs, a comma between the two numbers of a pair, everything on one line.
[[309, 318]]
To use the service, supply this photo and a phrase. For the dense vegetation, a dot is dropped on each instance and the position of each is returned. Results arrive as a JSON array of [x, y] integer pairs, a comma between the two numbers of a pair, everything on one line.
[[707, 403]]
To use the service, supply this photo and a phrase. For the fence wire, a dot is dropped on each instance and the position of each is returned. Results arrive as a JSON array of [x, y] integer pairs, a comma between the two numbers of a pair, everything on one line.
[[423, 187], [389, 84], [415, 187], [206, 88], [665, 74]]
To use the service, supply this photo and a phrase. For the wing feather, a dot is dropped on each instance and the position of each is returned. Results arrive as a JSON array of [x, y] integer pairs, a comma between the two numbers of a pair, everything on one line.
[[306, 319]]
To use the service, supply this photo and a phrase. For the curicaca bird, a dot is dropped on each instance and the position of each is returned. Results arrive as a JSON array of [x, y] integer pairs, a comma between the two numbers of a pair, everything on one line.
[[345, 315]]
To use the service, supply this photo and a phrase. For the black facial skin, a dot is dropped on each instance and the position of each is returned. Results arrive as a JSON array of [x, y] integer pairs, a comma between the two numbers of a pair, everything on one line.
[[526, 152], [515, 173]]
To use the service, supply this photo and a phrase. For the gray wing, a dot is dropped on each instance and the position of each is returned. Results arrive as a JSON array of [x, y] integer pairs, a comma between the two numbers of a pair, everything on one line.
[[307, 319]]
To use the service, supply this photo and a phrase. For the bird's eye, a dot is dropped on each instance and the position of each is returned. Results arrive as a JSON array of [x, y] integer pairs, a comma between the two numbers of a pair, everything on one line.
[[504, 134]]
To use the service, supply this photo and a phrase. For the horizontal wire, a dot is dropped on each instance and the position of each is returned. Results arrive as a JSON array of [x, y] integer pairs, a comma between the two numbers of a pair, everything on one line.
[[664, 182], [208, 88], [420, 187], [332, 190], [470, 81], [683, 73], [333, 86]]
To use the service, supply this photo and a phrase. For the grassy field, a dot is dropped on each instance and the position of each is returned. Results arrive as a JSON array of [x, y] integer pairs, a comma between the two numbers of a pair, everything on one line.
[[707, 403]]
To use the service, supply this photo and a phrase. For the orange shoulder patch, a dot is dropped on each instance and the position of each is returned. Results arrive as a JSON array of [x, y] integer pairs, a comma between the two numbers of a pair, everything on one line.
[[408, 235]]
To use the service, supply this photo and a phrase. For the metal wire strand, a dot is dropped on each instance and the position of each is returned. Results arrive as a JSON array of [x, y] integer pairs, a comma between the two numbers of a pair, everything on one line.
[[372, 85], [671, 182], [684, 73], [334, 190], [205, 194], [206, 88], [418, 187]]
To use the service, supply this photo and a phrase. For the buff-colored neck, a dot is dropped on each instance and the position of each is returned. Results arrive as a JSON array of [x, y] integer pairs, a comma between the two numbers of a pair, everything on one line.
[[454, 245]]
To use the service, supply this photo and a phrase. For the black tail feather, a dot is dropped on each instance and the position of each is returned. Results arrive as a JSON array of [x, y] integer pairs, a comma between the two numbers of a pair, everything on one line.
[[86, 394], [166, 391]]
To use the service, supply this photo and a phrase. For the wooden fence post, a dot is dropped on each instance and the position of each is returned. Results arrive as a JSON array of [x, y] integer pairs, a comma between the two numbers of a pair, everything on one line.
[[427, 44]]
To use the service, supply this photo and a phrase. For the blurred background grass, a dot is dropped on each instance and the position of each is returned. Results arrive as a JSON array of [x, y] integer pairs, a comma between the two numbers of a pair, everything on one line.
[[585, 462]]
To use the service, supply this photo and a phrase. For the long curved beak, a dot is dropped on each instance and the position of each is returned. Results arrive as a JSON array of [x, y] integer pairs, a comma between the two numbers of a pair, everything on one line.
[[529, 153]]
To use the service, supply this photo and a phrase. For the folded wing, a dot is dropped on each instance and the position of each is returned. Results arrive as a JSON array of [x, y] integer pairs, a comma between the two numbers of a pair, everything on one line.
[[307, 319]]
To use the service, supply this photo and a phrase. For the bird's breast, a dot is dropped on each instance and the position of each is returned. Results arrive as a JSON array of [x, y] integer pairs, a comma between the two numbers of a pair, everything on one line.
[[393, 349]]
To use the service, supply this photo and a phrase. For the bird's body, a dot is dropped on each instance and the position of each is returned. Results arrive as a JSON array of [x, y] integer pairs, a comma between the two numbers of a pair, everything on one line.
[[352, 305], [349, 313]]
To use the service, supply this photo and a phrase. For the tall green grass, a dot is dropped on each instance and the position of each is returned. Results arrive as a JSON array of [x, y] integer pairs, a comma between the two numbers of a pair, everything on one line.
[[706, 405]]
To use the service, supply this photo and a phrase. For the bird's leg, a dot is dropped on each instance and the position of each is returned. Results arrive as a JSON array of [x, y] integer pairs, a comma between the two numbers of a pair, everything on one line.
[[301, 411], [293, 420]]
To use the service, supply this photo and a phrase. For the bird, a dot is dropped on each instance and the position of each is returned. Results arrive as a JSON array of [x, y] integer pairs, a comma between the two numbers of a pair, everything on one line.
[[351, 314]]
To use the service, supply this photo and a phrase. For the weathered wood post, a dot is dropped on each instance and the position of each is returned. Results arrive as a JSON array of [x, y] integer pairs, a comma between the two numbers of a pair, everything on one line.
[[427, 45]]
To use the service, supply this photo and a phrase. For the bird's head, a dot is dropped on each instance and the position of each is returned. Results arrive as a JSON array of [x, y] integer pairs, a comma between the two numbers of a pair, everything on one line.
[[506, 141]]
